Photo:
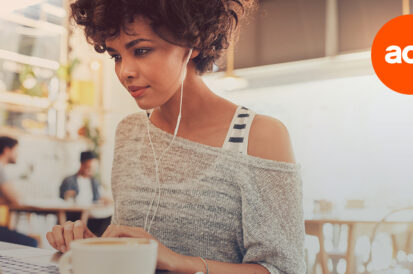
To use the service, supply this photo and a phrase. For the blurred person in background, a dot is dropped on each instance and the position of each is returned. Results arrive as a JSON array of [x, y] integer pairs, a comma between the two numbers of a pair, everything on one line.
[[82, 186], [85, 190], [8, 194]]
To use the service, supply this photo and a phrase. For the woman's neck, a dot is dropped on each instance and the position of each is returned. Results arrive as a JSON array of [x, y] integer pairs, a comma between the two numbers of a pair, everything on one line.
[[196, 99]]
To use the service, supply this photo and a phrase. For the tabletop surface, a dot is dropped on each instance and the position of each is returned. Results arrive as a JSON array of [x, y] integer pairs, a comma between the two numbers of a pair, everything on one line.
[[49, 204], [364, 215], [57, 205], [38, 255]]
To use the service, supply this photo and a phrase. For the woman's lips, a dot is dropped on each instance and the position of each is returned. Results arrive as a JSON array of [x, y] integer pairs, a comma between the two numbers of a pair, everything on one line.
[[137, 91]]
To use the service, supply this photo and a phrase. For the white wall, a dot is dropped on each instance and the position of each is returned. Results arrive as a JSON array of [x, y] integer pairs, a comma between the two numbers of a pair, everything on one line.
[[353, 136]]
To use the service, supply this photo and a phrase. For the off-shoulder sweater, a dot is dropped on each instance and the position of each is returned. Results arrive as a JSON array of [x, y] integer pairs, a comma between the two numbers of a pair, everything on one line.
[[215, 203]]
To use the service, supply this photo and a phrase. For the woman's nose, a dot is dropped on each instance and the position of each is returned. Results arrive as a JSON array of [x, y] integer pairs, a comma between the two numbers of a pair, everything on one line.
[[128, 70]]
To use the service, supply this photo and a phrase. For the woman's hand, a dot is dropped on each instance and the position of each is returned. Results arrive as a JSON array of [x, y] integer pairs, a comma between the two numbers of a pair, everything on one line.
[[166, 257], [61, 236]]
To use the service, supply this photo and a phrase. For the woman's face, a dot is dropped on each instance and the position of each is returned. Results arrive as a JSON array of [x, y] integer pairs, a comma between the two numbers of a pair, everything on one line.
[[150, 68]]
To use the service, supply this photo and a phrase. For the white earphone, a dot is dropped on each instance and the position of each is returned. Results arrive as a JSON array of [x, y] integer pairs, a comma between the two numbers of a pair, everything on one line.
[[147, 226]]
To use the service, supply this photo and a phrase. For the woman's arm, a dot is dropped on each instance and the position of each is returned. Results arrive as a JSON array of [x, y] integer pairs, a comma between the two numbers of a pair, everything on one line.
[[172, 261], [187, 264], [272, 211]]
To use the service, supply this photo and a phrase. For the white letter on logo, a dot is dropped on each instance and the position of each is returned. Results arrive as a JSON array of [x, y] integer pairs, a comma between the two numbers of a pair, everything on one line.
[[406, 54], [394, 57]]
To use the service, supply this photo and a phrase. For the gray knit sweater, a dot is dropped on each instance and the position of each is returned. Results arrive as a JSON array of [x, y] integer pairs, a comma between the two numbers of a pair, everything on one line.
[[217, 204]]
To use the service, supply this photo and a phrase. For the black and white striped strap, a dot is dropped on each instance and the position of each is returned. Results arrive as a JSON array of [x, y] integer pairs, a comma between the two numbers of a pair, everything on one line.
[[237, 136]]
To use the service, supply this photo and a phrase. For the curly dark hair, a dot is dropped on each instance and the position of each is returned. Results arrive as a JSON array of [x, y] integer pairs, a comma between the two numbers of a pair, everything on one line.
[[205, 25]]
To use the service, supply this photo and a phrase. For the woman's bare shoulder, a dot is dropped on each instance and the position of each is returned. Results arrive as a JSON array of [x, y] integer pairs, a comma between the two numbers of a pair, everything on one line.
[[269, 139]]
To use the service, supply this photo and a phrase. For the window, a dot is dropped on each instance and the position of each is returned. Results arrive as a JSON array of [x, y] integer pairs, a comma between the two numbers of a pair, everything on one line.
[[33, 43]]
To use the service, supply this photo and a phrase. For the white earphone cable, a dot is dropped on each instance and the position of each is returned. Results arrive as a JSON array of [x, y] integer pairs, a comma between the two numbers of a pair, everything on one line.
[[158, 161]]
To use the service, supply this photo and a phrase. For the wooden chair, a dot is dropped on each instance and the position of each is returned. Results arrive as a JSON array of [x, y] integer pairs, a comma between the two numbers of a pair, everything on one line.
[[316, 229]]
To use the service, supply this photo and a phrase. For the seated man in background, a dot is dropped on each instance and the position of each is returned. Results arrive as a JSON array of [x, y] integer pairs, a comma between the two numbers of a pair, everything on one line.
[[8, 194], [85, 190], [82, 186]]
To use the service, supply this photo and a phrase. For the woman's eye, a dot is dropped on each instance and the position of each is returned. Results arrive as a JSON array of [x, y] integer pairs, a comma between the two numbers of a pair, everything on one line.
[[115, 57], [141, 52]]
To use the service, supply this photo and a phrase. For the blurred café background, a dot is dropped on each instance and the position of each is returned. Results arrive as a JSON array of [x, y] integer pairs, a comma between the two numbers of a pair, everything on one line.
[[305, 62]]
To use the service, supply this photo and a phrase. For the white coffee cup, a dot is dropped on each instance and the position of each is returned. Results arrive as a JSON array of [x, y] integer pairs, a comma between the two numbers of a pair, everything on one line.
[[110, 255]]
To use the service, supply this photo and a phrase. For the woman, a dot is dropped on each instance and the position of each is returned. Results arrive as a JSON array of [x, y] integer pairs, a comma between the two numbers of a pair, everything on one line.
[[213, 183]]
